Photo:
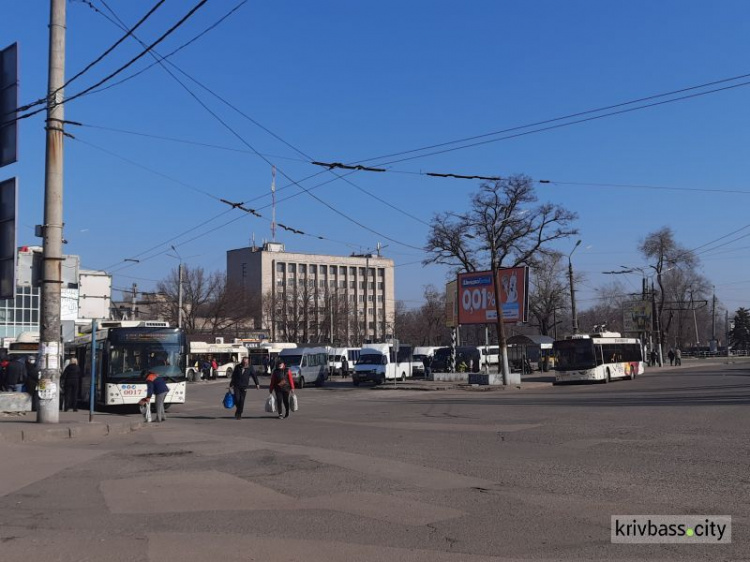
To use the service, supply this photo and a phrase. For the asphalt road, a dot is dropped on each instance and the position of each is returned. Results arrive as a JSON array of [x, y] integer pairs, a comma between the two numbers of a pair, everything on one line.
[[375, 474]]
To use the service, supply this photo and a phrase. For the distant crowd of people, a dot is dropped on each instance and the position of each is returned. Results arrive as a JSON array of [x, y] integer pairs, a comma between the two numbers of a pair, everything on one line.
[[674, 355]]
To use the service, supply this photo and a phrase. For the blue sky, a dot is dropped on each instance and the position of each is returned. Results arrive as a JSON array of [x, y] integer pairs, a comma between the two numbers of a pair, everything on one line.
[[347, 81]]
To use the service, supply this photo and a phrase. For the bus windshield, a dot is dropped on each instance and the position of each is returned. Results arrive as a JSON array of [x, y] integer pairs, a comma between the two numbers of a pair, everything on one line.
[[126, 361], [571, 355], [291, 360], [371, 359]]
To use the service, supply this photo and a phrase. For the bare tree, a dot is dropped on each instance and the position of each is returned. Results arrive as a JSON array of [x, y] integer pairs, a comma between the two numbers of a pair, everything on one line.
[[608, 311], [667, 255], [549, 291], [503, 228], [198, 290]]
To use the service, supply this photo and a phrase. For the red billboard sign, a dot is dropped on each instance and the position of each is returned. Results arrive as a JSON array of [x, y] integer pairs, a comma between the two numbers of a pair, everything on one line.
[[476, 296]]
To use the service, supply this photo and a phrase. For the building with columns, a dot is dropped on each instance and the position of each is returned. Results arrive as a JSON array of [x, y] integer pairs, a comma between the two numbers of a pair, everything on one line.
[[315, 298]]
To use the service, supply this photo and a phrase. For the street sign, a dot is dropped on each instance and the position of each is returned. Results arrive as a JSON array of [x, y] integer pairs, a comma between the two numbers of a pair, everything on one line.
[[8, 105], [8, 208], [637, 316]]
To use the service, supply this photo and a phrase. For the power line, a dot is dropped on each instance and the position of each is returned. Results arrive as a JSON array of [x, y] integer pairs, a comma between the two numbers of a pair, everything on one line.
[[655, 187], [566, 117], [92, 63], [172, 53], [119, 70], [561, 125]]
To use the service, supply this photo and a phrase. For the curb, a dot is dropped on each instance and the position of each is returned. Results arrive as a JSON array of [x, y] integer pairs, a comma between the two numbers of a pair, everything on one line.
[[34, 433]]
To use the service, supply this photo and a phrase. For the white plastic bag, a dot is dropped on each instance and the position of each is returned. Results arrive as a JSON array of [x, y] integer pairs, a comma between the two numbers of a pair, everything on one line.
[[271, 404], [293, 404], [146, 411]]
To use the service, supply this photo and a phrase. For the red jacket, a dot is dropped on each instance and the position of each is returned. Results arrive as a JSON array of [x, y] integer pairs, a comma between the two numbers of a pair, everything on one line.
[[275, 378]]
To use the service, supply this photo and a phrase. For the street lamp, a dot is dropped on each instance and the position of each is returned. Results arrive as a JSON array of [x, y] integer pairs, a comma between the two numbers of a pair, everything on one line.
[[572, 289]]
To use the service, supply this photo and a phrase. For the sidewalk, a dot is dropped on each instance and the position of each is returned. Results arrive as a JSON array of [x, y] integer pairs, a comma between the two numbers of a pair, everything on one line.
[[22, 427]]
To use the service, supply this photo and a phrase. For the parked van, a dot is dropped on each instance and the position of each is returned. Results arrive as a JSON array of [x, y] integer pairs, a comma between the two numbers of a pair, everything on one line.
[[340, 361], [378, 363], [425, 354], [309, 365]]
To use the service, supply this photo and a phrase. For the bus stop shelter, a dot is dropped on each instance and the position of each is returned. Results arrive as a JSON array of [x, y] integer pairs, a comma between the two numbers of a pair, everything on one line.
[[535, 350]]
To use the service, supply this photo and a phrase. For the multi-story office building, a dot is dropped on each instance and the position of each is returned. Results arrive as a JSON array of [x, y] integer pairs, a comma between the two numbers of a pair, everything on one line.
[[341, 300]]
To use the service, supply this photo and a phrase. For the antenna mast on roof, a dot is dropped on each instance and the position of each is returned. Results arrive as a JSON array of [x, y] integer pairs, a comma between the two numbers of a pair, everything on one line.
[[273, 203]]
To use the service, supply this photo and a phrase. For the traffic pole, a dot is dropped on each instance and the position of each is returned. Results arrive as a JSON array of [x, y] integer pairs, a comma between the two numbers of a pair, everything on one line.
[[50, 348]]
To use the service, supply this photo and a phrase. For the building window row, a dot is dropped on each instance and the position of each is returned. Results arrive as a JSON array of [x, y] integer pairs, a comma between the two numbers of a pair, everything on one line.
[[291, 269]]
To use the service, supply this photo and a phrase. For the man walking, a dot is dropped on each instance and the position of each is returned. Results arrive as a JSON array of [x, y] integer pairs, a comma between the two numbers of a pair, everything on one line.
[[240, 382]]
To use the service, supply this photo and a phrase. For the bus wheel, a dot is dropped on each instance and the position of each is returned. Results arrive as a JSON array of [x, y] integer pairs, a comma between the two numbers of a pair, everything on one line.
[[608, 378], [301, 382], [403, 377], [228, 373]]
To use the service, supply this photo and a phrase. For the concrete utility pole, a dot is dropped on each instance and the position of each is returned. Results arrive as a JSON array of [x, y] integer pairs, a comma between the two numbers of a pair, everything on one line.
[[50, 329], [179, 288], [572, 289]]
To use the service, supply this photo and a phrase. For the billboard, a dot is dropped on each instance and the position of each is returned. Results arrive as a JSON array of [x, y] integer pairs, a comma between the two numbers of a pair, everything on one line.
[[476, 296], [8, 194], [637, 316], [8, 105]]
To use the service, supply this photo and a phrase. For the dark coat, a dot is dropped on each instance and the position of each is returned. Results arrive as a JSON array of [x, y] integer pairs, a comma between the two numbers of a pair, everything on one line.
[[156, 386], [241, 377], [15, 373], [71, 375]]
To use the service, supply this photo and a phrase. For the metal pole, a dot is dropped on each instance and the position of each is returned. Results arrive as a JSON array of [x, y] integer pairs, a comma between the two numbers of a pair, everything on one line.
[[179, 297], [92, 390], [713, 323], [50, 338], [660, 356], [486, 349]]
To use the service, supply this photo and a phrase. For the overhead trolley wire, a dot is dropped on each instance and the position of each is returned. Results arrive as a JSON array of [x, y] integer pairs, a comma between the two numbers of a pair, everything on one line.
[[566, 117], [251, 147]]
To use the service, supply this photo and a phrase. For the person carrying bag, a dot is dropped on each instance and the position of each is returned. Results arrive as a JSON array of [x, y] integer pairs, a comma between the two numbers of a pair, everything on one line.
[[282, 383], [240, 382]]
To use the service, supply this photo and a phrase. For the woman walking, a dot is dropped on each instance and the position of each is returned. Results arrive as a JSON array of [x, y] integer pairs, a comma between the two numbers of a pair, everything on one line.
[[282, 383]]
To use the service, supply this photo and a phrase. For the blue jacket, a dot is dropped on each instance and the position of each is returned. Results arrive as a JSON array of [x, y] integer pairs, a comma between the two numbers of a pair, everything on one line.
[[157, 386]]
